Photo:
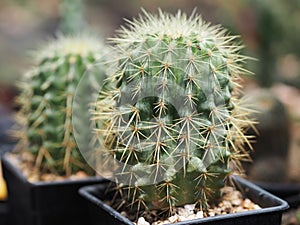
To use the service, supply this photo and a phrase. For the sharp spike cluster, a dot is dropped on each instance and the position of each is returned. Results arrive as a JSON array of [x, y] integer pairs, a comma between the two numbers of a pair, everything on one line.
[[174, 115]]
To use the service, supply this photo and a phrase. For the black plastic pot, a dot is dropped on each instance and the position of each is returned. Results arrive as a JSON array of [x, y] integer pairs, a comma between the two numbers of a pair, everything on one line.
[[3, 204], [270, 214], [44, 203], [290, 192], [3, 213]]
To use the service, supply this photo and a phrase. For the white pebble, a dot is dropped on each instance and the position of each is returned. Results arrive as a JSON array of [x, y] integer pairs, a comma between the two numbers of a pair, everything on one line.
[[199, 214], [211, 213], [182, 218], [256, 206], [190, 207], [182, 212], [142, 221], [173, 219]]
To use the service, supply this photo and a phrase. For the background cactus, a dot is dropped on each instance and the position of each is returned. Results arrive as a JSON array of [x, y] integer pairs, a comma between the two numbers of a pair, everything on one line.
[[273, 129], [72, 19], [176, 124], [46, 103]]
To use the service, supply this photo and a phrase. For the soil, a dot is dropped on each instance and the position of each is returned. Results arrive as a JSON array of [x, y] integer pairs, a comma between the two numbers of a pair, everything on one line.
[[25, 162], [232, 201]]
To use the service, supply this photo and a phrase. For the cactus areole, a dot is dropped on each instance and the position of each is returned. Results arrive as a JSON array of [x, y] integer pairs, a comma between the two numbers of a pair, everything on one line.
[[46, 103], [176, 124]]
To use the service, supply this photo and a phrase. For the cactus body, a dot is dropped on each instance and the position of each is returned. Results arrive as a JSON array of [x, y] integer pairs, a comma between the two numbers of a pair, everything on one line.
[[46, 103], [176, 124]]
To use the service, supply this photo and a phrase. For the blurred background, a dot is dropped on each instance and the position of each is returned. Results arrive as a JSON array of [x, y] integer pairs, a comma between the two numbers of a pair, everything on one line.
[[269, 29]]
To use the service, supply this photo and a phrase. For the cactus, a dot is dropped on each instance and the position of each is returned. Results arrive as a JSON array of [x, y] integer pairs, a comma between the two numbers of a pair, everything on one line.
[[72, 16], [46, 99], [176, 123], [273, 137]]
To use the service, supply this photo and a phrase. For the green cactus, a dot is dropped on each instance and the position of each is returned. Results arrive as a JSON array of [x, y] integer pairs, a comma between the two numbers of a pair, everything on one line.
[[72, 16], [176, 123], [46, 103]]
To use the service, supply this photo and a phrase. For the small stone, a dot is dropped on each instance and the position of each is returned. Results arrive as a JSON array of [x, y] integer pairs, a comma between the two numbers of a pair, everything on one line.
[[189, 207], [231, 203], [255, 206], [211, 213], [199, 214], [227, 190], [79, 175], [239, 209], [48, 177], [227, 204], [182, 218], [247, 204], [191, 217], [218, 210], [32, 178], [173, 219], [161, 222], [123, 213], [142, 221], [182, 212], [236, 202]]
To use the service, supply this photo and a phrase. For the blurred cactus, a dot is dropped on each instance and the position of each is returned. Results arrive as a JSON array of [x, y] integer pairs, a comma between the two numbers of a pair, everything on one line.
[[176, 122], [46, 103], [270, 27], [72, 16], [271, 145]]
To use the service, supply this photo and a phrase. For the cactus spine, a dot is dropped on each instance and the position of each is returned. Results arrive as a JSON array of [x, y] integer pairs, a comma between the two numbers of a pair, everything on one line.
[[46, 103], [176, 118]]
